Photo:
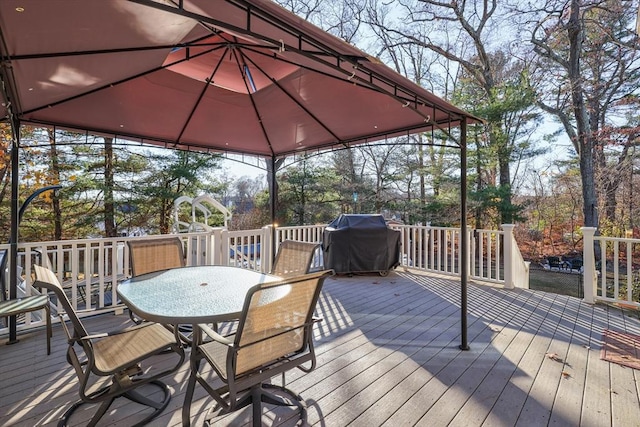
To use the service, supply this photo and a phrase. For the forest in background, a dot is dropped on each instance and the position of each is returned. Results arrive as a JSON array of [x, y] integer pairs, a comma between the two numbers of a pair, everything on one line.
[[557, 83]]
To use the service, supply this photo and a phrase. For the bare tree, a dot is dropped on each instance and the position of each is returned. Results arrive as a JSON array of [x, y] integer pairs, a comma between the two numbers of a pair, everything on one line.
[[380, 162], [466, 33], [590, 73], [340, 18]]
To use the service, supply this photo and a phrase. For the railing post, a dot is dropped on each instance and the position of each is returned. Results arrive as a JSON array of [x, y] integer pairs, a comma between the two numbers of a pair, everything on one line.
[[219, 245], [589, 264], [509, 280], [213, 248], [267, 246]]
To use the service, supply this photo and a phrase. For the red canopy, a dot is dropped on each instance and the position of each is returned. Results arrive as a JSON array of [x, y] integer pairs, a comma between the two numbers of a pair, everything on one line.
[[221, 75], [242, 76]]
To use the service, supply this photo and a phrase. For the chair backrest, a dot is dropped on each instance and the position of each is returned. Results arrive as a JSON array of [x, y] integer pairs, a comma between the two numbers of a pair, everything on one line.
[[47, 279], [276, 319], [294, 258], [154, 255]]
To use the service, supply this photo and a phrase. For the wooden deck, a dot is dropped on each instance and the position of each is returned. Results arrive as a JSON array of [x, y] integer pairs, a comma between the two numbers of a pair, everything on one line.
[[388, 356]]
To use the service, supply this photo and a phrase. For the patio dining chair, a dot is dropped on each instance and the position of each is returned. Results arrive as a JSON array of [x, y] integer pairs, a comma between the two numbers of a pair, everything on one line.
[[274, 335], [294, 258], [147, 256], [115, 355]]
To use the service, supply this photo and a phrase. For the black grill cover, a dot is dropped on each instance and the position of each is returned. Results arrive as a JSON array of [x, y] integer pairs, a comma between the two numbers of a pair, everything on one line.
[[360, 243]]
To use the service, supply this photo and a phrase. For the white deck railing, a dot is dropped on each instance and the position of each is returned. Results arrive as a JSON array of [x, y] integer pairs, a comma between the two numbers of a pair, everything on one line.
[[493, 254], [90, 269], [611, 269], [429, 248]]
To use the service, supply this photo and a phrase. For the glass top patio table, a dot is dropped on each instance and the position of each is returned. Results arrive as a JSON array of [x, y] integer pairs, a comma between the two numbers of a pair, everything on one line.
[[202, 294]]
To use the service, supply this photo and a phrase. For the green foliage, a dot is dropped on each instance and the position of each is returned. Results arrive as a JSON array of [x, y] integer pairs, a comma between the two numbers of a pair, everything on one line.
[[167, 175], [145, 184], [508, 106], [306, 195], [492, 201], [511, 95], [443, 212]]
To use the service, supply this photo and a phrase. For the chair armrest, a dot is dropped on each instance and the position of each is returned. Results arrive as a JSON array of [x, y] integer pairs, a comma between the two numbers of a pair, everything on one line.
[[215, 336]]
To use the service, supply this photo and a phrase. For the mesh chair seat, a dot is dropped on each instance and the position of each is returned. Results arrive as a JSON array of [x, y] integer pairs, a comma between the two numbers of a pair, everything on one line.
[[116, 352]]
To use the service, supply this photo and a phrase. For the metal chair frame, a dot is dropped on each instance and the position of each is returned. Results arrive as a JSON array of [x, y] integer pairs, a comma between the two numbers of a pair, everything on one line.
[[269, 341], [117, 355]]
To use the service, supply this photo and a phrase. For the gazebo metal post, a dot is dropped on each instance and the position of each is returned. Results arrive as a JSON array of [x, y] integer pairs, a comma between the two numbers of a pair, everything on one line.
[[273, 197], [464, 241], [16, 217], [13, 239]]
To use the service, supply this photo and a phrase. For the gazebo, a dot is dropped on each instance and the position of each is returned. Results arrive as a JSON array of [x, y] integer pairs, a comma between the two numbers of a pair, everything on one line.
[[212, 76]]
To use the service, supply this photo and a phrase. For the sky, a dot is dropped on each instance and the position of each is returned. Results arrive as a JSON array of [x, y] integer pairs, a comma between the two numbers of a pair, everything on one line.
[[243, 166]]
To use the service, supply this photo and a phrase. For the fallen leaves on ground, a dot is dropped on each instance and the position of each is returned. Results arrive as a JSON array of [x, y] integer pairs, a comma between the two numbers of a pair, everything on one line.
[[555, 357]]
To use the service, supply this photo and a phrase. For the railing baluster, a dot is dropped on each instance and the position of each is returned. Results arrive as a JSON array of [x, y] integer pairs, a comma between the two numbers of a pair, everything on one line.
[[496, 239], [481, 258], [616, 271], [629, 271]]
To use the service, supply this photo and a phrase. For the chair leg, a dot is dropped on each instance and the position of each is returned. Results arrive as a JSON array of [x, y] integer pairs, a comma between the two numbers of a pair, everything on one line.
[[47, 313], [64, 419], [136, 397], [158, 406], [102, 409], [256, 396], [294, 399], [256, 400], [186, 333]]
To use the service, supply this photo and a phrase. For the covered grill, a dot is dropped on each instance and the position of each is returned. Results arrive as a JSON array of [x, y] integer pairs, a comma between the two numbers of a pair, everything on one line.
[[360, 244]]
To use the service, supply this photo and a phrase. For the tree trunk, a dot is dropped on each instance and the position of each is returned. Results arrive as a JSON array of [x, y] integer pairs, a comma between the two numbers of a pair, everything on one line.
[[479, 184], [272, 169], [55, 175], [504, 158], [585, 138], [165, 210], [110, 229], [423, 190]]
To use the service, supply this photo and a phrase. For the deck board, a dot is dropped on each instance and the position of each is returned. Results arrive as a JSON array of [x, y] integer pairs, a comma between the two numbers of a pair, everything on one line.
[[569, 396], [388, 354]]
